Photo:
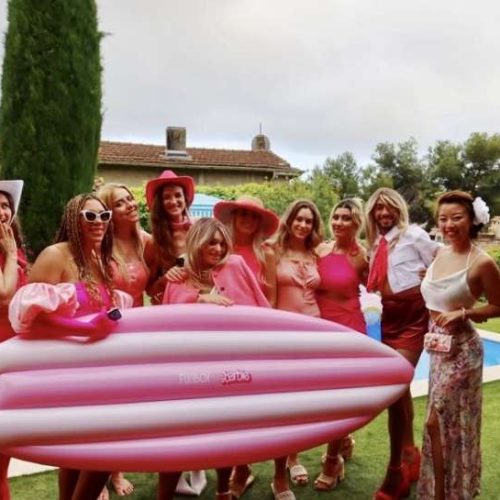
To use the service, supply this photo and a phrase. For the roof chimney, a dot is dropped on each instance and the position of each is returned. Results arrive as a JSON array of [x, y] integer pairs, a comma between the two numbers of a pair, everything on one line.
[[176, 142]]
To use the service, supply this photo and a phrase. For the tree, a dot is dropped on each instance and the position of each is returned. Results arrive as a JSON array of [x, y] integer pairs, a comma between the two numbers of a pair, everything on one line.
[[341, 174], [407, 172], [473, 166], [50, 113]]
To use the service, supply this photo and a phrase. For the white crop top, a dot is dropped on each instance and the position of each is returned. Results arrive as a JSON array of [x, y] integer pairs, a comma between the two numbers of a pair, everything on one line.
[[450, 292]]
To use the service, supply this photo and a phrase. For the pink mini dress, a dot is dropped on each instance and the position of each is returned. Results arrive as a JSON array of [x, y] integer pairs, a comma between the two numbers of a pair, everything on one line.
[[135, 283], [297, 282], [340, 277]]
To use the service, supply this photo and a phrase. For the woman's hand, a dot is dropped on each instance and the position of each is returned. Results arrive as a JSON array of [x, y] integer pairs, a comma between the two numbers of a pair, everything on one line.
[[176, 274], [444, 319], [7, 241], [220, 300]]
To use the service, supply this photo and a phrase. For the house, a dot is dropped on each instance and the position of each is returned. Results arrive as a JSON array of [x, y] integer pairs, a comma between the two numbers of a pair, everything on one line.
[[133, 164]]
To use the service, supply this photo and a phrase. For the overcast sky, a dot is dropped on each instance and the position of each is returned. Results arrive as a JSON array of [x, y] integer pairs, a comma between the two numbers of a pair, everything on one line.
[[322, 76]]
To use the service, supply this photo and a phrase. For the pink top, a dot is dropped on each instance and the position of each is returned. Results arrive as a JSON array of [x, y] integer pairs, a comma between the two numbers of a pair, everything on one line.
[[86, 305], [6, 331], [297, 281], [135, 283], [248, 254], [339, 278], [233, 279]]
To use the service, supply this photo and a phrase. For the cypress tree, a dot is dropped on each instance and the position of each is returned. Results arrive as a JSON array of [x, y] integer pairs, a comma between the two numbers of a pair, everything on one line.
[[50, 112]]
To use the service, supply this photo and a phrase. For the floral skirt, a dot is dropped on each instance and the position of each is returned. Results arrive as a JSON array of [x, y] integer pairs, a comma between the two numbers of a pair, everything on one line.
[[455, 394]]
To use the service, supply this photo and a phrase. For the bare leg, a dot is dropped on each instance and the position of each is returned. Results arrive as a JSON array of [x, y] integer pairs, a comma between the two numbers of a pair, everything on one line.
[[67, 479], [241, 478], [332, 470], [433, 429], [89, 484], [167, 483], [280, 480]]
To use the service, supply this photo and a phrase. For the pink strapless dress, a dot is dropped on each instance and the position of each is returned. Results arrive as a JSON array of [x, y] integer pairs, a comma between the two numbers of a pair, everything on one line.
[[339, 276], [135, 283], [297, 282]]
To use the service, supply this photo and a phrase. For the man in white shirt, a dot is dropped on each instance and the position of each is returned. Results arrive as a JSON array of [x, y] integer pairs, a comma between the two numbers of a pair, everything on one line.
[[399, 253]]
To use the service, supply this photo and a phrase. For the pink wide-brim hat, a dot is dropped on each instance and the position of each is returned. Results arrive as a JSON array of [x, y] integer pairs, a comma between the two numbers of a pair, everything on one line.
[[168, 177], [223, 211]]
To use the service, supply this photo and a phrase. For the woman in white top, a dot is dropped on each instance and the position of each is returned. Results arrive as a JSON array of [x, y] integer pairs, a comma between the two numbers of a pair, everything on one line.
[[460, 274]]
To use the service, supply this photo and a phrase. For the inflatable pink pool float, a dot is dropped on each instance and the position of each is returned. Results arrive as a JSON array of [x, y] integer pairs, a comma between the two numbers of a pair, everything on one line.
[[177, 387]]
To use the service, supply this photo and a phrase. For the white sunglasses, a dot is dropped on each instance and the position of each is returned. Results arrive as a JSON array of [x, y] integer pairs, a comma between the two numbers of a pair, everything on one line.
[[91, 216]]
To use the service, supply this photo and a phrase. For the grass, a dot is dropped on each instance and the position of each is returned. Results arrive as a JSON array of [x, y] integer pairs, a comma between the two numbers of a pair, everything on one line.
[[492, 325], [364, 472]]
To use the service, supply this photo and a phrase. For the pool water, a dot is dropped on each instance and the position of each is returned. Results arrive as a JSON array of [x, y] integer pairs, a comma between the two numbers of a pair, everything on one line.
[[491, 358]]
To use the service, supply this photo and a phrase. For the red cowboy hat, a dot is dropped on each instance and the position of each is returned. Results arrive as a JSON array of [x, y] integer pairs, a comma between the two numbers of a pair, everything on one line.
[[269, 220], [169, 177]]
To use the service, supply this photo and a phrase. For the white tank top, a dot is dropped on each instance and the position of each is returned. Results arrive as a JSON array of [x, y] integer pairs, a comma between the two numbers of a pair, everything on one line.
[[450, 292]]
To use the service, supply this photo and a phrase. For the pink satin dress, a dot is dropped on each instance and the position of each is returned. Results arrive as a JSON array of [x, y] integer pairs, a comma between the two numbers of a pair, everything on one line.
[[135, 283], [297, 282], [340, 279]]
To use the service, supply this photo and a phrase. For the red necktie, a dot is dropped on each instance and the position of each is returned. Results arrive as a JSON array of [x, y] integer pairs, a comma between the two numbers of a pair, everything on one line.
[[378, 270]]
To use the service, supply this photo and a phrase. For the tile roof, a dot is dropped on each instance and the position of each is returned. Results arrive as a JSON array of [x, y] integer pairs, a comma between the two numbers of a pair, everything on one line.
[[125, 153]]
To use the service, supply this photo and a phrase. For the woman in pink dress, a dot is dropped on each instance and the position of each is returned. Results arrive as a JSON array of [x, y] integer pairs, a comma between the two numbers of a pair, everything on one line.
[[342, 266], [80, 263], [213, 276], [168, 197], [299, 233], [129, 270], [12, 276], [249, 224]]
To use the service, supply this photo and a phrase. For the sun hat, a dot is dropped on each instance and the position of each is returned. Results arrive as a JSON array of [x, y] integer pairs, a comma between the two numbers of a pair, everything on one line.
[[168, 177], [14, 188], [269, 220]]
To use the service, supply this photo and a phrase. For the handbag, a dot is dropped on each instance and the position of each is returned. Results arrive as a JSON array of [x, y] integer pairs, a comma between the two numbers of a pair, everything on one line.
[[439, 343]]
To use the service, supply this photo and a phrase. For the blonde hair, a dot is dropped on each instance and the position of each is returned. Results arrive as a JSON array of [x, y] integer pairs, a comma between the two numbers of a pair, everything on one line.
[[282, 237], [198, 236], [257, 240], [105, 194], [392, 199]]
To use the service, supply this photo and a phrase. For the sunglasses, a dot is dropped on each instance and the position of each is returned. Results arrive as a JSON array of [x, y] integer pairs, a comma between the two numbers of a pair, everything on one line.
[[91, 216]]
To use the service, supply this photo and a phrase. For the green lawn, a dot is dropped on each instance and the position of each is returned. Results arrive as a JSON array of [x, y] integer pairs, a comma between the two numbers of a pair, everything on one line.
[[364, 471], [492, 325]]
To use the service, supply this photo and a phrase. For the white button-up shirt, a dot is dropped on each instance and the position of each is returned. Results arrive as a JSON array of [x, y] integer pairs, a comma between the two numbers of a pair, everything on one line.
[[410, 252]]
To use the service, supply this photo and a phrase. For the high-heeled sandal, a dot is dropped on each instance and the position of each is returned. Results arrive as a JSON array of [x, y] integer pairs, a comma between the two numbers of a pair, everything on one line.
[[327, 482], [402, 490], [412, 466]]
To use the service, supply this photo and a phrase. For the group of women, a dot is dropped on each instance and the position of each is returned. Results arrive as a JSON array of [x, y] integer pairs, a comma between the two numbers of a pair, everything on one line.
[[246, 255]]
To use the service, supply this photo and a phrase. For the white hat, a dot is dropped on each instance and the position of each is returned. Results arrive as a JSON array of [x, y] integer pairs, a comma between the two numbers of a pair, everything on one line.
[[14, 188]]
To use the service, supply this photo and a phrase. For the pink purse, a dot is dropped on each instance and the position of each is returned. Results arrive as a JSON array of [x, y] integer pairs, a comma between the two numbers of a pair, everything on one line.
[[439, 343]]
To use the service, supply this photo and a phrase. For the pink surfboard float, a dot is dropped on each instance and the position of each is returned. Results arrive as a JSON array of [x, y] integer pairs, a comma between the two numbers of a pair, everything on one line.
[[189, 387]]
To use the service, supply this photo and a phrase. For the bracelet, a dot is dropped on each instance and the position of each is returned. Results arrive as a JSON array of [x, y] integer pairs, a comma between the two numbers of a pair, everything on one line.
[[464, 314]]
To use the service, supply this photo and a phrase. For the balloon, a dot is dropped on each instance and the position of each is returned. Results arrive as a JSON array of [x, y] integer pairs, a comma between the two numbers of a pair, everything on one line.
[[190, 387]]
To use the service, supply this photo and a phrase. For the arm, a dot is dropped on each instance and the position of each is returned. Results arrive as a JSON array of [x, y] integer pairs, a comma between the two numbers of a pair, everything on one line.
[[8, 275], [426, 247], [270, 275], [49, 267]]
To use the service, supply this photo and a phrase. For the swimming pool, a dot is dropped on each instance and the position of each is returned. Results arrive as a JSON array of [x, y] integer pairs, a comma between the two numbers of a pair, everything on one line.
[[491, 358]]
